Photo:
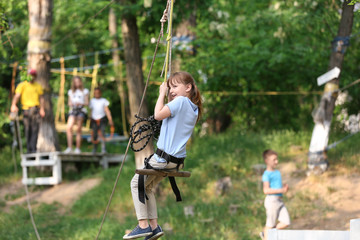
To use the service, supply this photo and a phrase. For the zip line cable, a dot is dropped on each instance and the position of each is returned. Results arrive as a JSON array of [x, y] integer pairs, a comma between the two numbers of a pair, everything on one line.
[[128, 145], [82, 25]]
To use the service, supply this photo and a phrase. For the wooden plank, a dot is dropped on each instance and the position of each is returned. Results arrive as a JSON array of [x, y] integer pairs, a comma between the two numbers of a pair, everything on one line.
[[162, 173]]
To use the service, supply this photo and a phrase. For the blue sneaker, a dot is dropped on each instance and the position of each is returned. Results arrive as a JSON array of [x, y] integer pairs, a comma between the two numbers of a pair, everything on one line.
[[156, 233], [138, 232]]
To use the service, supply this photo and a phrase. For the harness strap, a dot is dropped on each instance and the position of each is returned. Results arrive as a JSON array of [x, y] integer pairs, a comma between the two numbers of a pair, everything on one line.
[[175, 189], [168, 158], [141, 181]]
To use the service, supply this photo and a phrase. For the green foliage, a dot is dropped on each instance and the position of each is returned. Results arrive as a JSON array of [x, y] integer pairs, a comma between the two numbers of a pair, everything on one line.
[[266, 46]]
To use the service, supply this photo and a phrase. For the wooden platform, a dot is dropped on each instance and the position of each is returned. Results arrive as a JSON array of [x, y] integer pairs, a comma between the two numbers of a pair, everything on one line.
[[102, 158], [162, 173]]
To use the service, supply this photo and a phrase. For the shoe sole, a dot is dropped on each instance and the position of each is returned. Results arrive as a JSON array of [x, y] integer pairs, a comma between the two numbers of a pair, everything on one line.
[[138, 236], [156, 236]]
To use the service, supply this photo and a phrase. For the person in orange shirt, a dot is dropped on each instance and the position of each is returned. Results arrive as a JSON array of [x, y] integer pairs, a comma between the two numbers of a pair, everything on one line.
[[30, 95]]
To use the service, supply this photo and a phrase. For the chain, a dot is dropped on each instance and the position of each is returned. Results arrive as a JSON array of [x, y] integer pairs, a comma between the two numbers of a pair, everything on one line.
[[149, 125]]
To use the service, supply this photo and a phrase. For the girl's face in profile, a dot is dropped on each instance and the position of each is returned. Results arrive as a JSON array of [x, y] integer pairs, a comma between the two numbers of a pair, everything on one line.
[[179, 89]]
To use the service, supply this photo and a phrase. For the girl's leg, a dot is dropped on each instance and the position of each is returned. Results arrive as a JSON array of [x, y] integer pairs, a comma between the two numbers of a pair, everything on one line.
[[102, 139], [79, 122], [69, 126], [140, 208], [94, 129]]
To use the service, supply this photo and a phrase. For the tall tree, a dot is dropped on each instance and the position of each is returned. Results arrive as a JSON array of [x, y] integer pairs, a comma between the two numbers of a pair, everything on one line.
[[40, 20], [135, 81], [116, 61], [323, 115]]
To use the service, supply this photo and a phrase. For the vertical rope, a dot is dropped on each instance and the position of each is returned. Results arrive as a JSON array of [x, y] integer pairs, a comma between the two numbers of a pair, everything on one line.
[[25, 185], [168, 39], [30, 212]]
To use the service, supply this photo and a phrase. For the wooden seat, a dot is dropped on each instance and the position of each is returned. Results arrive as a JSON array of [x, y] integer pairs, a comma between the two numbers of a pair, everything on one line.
[[162, 173], [61, 127]]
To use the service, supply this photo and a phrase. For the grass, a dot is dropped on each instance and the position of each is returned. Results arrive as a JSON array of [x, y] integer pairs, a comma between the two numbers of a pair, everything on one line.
[[209, 159]]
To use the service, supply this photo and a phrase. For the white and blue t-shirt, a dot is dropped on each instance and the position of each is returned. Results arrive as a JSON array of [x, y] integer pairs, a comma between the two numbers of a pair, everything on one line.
[[274, 179], [176, 130]]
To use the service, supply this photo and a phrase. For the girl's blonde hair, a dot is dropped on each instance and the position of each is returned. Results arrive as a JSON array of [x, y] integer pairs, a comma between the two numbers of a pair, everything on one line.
[[194, 95], [73, 88]]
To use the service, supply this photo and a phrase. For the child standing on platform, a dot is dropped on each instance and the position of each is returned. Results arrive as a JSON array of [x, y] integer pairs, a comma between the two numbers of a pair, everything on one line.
[[78, 101], [100, 113], [179, 117], [274, 190]]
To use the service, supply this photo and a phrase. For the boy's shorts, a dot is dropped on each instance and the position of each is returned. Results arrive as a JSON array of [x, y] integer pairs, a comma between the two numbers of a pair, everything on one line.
[[275, 210]]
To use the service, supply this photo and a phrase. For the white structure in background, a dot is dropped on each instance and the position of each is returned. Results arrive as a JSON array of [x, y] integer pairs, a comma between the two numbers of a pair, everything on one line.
[[353, 234], [50, 159]]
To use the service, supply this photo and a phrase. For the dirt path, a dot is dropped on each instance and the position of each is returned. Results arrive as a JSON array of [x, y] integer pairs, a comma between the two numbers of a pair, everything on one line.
[[331, 199], [64, 193]]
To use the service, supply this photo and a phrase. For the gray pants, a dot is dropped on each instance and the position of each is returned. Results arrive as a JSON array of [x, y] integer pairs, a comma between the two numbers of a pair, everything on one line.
[[31, 127], [149, 209], [275, 210]]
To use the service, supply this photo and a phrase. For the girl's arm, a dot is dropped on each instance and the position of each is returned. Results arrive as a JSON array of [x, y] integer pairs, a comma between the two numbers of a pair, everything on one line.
[[268, 190], [161, 110], [108, 115]]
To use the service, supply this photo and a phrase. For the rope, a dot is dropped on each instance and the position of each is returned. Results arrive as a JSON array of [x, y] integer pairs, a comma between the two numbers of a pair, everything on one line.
[[25, 185], [152, 126], [128, 145], [30, 212], [267, 93], [169, 40], [339, 141], [82, 25], [71, 57], [14, 144], [349, 85]]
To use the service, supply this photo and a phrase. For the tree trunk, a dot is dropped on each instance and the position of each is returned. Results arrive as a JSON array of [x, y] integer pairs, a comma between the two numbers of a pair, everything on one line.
[[40, 19], [135, 80], [116, 61], [323, 116]]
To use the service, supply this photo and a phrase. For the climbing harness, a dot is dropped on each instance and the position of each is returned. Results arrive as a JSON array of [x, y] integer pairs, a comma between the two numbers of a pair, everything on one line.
[[143, 129], [169, 159]]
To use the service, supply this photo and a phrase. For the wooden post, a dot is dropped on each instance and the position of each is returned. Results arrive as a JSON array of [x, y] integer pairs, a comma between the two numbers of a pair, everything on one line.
[[60, 110], [117, 67], [93, 86]]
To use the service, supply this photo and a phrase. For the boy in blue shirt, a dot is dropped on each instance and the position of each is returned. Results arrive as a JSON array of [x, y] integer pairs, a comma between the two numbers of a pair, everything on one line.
[[274, 190]]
